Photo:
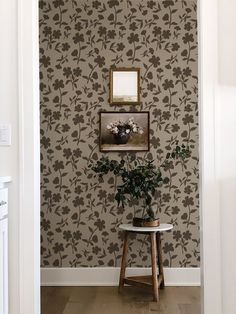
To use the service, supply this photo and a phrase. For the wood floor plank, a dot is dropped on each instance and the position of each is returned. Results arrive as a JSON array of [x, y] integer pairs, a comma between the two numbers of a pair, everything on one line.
[[107, 300], [188, 309]]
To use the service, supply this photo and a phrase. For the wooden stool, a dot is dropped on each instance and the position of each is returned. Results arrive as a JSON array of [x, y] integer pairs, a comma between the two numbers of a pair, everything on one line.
[[156, 280]]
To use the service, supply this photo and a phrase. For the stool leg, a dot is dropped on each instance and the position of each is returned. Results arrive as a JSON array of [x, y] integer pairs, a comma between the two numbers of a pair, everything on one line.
[[160, 262], [154, 266], [123, 262]]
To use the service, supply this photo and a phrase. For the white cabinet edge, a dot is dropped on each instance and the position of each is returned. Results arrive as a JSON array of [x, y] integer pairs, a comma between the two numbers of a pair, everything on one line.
[[4, 180]]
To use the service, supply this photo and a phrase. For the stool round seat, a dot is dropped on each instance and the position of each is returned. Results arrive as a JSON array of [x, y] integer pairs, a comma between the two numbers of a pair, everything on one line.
[[131, 228]]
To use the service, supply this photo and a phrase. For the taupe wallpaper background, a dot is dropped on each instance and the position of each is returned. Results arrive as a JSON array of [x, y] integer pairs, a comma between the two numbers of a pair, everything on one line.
[[79, 42]]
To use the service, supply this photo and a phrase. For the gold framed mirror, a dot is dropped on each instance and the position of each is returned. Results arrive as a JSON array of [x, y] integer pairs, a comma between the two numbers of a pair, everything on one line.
[[124, 86]]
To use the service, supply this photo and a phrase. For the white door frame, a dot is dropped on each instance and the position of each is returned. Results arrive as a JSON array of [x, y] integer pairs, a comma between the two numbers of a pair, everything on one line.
[[29, 147], [29, 157], [209, 184]]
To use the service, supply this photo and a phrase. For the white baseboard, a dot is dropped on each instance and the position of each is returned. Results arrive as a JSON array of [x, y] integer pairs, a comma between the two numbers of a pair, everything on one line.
[[109, 276]]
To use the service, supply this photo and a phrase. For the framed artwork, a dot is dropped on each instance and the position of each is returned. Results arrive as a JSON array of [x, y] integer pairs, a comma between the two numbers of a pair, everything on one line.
[[124, 131], [124, 86]]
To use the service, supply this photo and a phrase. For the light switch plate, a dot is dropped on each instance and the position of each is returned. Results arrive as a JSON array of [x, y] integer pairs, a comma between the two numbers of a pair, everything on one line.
[[5, 134]]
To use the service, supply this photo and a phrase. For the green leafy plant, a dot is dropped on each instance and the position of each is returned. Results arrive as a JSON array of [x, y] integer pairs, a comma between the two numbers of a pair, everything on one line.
[[139, 179]]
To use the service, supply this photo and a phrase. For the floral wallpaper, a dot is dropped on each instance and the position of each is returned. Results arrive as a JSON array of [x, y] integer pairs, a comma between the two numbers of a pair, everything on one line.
[[79, 42]]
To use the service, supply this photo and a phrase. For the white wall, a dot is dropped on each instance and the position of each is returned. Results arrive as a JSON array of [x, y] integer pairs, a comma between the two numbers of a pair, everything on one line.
[[210, 207], [227, 42], [9, 114], [29, 159], [218, 125], [226, 128], [19, 106], [227, 177]]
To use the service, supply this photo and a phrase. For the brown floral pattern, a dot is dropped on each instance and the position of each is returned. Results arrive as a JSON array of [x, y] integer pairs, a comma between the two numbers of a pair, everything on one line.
[[79, 42]]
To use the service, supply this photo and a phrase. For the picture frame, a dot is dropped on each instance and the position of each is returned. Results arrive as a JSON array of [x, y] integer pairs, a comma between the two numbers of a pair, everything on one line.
[[124, 131], [125, 86]]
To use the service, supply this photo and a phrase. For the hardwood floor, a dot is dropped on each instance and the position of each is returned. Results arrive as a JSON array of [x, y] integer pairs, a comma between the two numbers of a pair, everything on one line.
[[107, 300]]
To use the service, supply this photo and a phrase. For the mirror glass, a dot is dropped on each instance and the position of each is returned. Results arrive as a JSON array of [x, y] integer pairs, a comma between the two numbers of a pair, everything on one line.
[[124, 86]]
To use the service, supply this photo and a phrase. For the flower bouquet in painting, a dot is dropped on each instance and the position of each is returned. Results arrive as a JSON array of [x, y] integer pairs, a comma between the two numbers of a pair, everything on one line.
[[122, 130], [139, 179]]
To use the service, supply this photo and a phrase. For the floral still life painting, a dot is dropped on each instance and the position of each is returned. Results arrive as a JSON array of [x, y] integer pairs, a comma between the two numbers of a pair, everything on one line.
[[124, 131]]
